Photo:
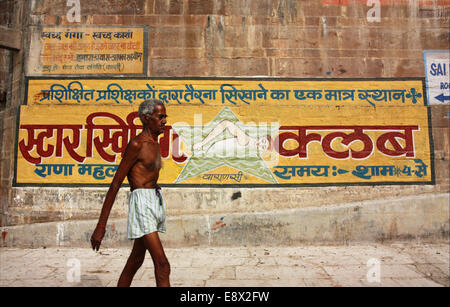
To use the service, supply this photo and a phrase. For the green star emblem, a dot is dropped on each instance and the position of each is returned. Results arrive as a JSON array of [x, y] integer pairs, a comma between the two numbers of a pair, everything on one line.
[[226, 141]]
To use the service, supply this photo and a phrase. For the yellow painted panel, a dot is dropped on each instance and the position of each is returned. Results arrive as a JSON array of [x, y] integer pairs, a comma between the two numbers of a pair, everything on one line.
[[223, 144], [226, 92], [87, 50]]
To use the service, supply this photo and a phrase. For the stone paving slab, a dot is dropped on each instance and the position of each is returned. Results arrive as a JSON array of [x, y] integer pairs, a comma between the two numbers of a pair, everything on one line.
[[410, 264]]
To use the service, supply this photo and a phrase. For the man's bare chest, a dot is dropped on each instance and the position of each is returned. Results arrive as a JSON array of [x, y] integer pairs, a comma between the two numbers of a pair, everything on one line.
[[150, 156]]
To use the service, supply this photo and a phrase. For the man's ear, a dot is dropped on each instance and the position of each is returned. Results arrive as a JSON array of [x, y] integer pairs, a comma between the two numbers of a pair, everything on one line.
[[146, 117]]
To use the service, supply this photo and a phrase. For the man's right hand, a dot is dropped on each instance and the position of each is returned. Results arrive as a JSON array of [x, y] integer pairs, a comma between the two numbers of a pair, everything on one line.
[[96, 238]]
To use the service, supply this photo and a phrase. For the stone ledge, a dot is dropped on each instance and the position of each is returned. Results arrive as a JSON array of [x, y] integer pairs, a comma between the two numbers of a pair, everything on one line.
[[418, 216]]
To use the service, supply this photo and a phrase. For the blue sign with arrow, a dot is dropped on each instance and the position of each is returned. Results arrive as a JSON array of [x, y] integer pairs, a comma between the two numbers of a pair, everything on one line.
[[442, 98], [437, 68]]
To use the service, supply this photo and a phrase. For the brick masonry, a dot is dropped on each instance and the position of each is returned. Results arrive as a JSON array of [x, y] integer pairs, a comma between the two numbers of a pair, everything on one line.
[[276, 38]]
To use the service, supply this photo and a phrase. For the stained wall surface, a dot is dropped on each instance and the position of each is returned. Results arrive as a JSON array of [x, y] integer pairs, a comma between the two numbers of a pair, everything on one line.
[[259, 39]]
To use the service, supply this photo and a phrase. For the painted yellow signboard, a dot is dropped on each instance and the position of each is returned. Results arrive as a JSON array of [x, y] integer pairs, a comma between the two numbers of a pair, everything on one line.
[[84, 50], [227, 132], [225, 92]]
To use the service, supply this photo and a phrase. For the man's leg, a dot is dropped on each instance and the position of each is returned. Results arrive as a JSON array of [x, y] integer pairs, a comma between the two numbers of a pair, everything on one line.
[[162, 266], [134, 262]]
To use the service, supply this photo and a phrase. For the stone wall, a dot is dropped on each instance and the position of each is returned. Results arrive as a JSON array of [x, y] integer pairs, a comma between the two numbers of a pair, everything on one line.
[[12, 22], [276, 38]]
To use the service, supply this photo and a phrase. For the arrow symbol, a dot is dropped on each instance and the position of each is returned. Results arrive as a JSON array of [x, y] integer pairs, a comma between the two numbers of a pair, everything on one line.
[[442, 98]]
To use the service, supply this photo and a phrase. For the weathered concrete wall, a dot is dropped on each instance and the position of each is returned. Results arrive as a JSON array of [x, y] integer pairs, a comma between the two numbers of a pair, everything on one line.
[[279, 38], [405, 218], [13, 19]]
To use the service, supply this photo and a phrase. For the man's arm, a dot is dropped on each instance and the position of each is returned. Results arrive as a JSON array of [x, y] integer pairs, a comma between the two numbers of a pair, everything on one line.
[[129, 159]]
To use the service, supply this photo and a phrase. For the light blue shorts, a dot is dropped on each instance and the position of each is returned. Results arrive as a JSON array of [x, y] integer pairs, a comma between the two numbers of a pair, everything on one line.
[[146, 213]]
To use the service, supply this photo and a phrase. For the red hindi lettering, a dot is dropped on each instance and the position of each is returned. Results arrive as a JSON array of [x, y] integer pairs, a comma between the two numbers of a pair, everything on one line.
[[348, 139], [302, 139], [27, 145], [329, 151], [391, 137], [118, 140], [164, 142], [131, 125], [176, 156]]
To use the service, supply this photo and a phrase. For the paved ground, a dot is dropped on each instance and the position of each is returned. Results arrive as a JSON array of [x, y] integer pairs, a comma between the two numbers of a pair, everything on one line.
[[393, 264]]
